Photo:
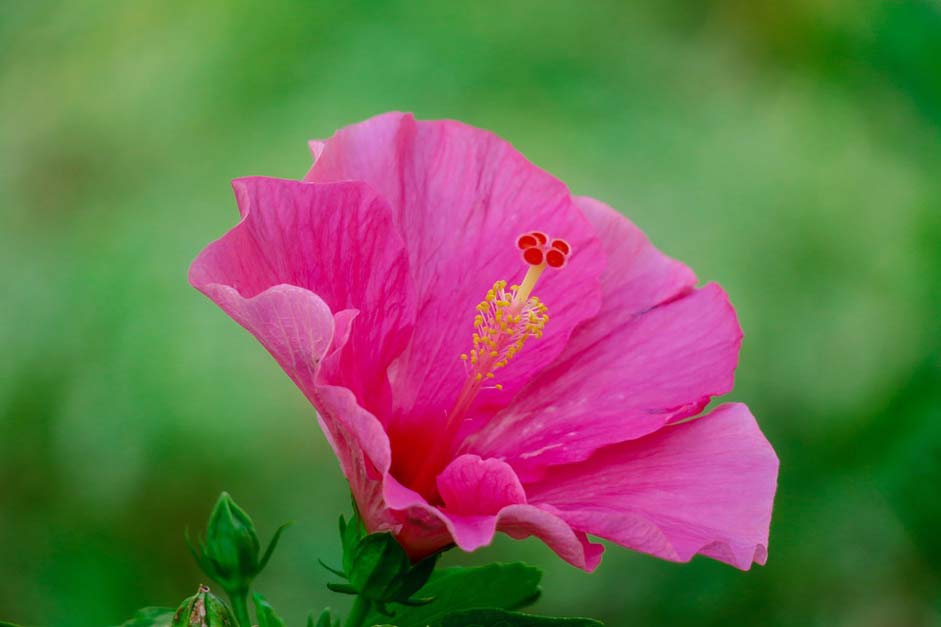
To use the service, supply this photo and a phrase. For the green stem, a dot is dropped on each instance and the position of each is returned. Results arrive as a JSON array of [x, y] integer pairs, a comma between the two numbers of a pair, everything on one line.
[[358, 613], [240, 608]]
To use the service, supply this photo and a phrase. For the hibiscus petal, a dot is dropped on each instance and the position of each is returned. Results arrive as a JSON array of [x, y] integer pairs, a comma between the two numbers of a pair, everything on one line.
[[705, 486], [523, 521], [316, 148], [637, 278], [460, 197], [641, 372], [318, 273], [298, 329], [336, 240], [293, 323], [471, 485], [424, 529]]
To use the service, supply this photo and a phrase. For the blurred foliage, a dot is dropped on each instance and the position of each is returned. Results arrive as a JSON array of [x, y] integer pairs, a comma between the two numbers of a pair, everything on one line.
[[789, 150]]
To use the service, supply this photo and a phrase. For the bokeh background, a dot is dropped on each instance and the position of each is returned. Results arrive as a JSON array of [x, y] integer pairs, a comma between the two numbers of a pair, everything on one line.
[[789, 150]]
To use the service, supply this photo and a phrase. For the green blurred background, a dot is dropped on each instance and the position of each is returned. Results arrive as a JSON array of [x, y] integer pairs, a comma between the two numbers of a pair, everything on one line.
[[790, 151]]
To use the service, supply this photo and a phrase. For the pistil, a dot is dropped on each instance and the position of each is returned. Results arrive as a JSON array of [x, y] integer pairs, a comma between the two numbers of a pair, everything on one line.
[[506, 319]]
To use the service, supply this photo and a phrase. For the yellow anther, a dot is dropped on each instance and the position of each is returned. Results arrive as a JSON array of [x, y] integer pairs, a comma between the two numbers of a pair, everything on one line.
[[502, 325]]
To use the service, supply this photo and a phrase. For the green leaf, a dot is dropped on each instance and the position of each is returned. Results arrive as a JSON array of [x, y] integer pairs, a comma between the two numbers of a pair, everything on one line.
[[265, 613], [6, 624], [149, 617], [503, 618], [503, 586], [379, 563]]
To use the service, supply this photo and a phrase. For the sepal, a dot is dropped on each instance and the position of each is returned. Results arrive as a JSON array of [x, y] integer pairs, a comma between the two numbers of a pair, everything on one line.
[[378, 569], [265, 613], [351, 534], [327, 618]]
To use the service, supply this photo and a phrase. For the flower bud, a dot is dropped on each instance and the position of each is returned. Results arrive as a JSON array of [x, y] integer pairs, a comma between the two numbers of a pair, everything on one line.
[[232, 544], [203, 609], [230, 555]]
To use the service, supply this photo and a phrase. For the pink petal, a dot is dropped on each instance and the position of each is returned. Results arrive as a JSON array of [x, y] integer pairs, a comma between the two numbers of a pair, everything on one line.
[[423, 529], [523, 521], [471, 485], [293, 323], [705, 486], [319, 275], [336, 240], [641, 372], [638, 278], [460, 197], [316, 148], [297, 328]]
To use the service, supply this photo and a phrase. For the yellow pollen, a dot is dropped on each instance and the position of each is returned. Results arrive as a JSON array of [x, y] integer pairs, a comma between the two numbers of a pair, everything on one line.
[[504, 321]]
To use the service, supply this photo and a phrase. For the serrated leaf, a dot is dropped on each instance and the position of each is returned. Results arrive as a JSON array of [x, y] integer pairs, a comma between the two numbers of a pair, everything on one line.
[[503, 618], [148, 617], [265, 613], [502, 586]]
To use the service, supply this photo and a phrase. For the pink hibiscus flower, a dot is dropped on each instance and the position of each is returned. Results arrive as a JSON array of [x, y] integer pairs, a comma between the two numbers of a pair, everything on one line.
[[557, 407]]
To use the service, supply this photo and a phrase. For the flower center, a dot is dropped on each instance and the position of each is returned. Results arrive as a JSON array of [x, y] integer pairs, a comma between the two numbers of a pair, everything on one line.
[[506, 319]]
